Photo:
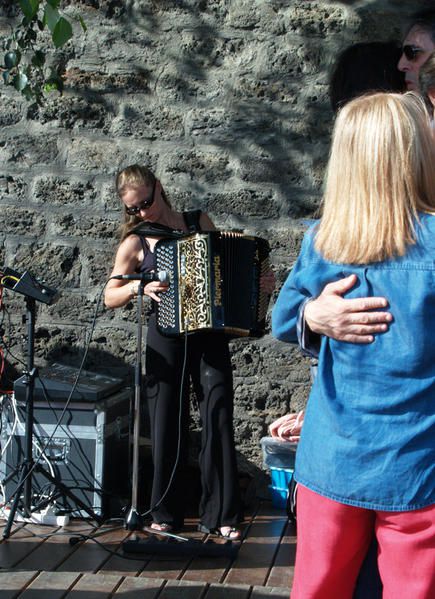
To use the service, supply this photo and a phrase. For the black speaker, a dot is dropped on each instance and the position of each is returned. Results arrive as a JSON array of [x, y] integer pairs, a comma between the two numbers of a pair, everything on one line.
[[88, 451]]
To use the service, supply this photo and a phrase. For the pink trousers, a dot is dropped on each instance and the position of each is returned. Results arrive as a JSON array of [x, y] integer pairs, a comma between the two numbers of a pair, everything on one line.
[[333, 539]]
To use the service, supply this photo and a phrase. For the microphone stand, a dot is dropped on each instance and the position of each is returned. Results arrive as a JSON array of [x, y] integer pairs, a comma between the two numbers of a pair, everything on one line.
[[134, 520]]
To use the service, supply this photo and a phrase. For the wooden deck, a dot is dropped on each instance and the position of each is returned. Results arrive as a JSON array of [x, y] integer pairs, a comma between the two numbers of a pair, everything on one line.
[[39, 562]]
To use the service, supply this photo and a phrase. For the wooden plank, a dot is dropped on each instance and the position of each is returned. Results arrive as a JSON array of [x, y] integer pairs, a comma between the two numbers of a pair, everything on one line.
[[257, 553], [90, 556], [207, 569], [174, 589], [12, 583], [50, 585], [124, 564], [281, 574], [56, 548], [269, 592], [264, 561], [94, 586], [139, 588], [212, 569], [21, 544], [15, 527], [228, 591]]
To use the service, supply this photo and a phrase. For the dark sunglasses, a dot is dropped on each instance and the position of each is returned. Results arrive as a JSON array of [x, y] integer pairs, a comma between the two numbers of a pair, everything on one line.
[[134, 210], [411, 52]]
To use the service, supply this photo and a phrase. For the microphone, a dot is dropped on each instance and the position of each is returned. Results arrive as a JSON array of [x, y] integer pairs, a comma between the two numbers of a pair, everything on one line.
[[146, 277]]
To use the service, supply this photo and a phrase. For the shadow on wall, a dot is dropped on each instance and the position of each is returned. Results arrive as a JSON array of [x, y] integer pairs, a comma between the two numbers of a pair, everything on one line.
[[98, 361], [259, 99]]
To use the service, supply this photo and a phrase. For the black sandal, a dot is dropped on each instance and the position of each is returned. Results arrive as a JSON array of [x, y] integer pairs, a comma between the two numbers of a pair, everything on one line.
[[230, 532], [161, 527]]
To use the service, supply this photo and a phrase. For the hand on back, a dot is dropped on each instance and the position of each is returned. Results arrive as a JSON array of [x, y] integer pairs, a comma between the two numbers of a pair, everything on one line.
[[352, 320]]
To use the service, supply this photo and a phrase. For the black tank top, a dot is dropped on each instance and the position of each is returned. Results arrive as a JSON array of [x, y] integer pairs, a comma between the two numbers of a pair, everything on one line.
[[191, 219]]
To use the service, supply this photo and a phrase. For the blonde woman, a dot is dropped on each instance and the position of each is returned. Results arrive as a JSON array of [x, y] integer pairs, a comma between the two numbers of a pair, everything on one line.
[[366, 459], [204, 358]]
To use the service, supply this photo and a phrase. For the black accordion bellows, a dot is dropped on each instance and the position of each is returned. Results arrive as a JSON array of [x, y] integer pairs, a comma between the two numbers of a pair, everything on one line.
[[214, 283]]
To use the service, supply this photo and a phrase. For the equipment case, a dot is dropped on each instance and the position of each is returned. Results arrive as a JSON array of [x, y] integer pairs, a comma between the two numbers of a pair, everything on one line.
[[88, 451]]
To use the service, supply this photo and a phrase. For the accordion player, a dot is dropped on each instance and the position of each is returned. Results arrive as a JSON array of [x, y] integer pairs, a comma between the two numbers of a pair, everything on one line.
[[214, 283]]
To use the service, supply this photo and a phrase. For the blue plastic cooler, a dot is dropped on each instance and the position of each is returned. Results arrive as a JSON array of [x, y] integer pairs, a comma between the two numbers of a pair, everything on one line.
[[279, 459]]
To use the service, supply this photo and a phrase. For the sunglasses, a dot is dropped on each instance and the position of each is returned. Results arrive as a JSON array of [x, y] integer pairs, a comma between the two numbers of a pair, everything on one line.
[[134, 210], [411, 52]]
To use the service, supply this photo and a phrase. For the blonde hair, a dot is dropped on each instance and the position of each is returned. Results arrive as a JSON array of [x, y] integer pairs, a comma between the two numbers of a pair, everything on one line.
[[380, 175], [133, 176]]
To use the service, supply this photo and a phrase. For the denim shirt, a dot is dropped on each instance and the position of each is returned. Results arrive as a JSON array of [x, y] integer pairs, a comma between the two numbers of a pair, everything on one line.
[[368, 437]]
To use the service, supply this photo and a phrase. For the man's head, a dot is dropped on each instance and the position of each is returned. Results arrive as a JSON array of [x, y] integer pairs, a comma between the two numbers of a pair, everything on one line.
[[417, 46], [427, 83], [365, 67]]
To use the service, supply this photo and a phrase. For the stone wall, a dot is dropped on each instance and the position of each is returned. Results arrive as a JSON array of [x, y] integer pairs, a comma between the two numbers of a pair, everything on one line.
[[227, 100]]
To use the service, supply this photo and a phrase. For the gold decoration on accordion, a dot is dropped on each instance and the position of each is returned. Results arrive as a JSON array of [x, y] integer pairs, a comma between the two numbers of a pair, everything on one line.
[[193, 280]]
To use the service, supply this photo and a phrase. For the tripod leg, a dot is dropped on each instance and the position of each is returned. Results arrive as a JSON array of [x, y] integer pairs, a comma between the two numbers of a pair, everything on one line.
[[17, 498], [27, 466]]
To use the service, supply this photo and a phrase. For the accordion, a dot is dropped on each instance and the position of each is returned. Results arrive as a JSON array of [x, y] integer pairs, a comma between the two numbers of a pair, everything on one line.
[[214, 283]]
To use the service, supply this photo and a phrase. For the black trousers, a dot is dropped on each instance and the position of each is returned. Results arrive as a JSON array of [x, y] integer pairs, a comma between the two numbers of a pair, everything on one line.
[[205, 361]]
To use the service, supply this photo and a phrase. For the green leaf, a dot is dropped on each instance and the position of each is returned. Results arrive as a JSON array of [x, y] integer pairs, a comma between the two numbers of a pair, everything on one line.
[[20, 81], [53, 3], [52, 86], [54, 82], [29, 8], [62, 32], [51, 17], [82, 23], [12, 59]]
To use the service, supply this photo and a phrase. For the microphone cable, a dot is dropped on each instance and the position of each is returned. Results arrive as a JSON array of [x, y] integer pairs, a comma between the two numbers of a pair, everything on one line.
[[180, 428]]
